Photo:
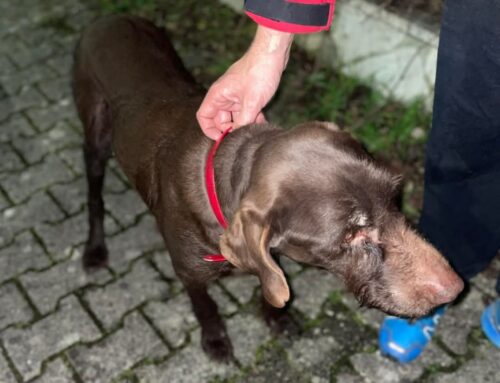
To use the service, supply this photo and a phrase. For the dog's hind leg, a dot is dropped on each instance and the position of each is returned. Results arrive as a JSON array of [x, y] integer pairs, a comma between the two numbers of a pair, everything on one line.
[[94, 114], [96, 154]]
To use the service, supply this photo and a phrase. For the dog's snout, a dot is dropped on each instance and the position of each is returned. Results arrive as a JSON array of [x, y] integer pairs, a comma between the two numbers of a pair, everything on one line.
[[442, 288]]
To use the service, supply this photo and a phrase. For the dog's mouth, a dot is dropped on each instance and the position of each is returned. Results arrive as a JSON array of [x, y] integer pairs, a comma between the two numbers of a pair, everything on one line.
[[395, 304], [419, 309]]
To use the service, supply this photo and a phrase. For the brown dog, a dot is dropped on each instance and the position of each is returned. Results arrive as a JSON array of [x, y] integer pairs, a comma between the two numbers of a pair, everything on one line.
[[311, 193]]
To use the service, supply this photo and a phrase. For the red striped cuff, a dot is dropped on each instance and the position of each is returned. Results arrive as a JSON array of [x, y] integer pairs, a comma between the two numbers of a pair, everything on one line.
[[292, 16]]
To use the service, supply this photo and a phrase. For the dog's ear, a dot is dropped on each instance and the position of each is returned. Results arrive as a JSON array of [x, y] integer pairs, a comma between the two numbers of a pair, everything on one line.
[[246, 245]]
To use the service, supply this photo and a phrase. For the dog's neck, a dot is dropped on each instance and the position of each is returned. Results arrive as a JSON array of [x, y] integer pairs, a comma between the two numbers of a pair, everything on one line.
[[234, 161]]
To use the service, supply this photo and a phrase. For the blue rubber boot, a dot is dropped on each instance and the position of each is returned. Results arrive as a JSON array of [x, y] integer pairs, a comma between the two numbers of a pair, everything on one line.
[[404, 340], [490, 322]]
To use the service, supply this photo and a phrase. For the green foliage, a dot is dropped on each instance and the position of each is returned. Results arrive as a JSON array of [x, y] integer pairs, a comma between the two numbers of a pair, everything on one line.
[[380, 123], [127, 6], [57, 23]]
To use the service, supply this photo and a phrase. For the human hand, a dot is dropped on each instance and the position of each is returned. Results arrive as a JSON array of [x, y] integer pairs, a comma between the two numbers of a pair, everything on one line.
[[239, 95]]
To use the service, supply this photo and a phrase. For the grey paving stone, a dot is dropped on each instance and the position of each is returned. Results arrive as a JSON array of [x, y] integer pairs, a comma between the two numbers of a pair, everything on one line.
[[371, 317], [118, 352], [12, 42], [38, 209], [23, 79], [435, 357], [318, 379], [247, 333], [6, 375], [289, 266], [56, 372], [23, 254], [486, 280], [30, 55], [112, 182], [20, 186], [483, 368], [349, 378], [163, 262], [111, 302], [132, 243], [311, 289], [74, 158], [272, 366], [306, 353], [27, 98], [69, 276], [11, 162], [126, 207], [4, 203], [60, 239], [72, 197], [30, 346], [81, 19], [242, 287], [45, 118], [33, 149], [15, 309], [190, 365], [377, 369], [14, 127], [34, 35], [56, 89], [464, 316], [173, 318], [61, 63], [224, 303], [67, 43], [6, 66]]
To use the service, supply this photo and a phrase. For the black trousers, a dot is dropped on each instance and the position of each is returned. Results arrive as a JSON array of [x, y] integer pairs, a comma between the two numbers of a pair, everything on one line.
[[461, 213]]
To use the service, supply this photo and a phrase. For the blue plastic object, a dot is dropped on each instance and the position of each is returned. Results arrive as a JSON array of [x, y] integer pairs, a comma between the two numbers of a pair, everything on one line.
[[404, 340], [490, 322]]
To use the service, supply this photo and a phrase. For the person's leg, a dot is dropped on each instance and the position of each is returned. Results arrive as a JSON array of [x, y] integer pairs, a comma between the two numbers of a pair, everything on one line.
[[462, 171]]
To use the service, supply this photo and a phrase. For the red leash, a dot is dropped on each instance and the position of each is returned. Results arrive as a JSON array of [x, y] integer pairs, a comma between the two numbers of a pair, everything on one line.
[[212, 194]]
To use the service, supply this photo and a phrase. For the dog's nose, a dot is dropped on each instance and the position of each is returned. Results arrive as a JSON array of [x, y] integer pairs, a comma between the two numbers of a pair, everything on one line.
[[441, 289]]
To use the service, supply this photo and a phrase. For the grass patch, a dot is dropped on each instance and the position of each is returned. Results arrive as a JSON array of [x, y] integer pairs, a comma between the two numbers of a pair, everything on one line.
[[59, 24], [127, 6]]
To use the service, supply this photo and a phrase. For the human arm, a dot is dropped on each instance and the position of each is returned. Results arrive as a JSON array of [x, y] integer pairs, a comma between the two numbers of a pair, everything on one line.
[[238, 97]]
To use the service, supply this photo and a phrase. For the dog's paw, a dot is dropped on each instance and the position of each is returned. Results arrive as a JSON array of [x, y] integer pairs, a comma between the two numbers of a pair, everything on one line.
[[217, 346], [281, 322], [95, 257]]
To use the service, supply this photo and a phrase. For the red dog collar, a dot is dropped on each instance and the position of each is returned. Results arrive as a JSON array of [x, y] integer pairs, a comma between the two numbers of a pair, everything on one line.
[[212, 194]]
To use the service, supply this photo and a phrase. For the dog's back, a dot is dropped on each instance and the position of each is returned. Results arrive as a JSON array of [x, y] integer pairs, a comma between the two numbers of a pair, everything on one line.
[[127, 79]]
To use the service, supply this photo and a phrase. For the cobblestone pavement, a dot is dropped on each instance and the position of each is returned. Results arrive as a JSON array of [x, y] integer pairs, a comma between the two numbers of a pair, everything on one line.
[[132, 322]]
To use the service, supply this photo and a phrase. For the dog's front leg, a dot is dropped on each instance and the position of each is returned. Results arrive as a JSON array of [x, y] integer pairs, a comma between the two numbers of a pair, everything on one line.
[[214, 338], [279, 320]]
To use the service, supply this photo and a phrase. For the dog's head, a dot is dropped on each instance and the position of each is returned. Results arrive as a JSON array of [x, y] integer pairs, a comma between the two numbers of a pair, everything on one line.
[[317, 197]]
